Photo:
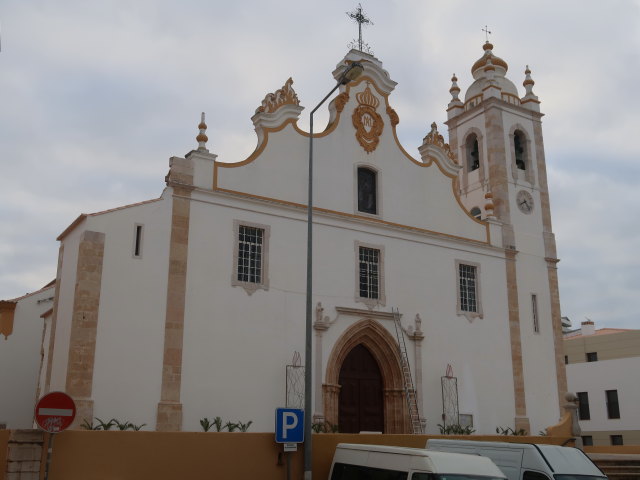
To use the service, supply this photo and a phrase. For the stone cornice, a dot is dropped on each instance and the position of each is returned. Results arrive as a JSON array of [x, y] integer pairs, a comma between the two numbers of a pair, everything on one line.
[[362, 312]]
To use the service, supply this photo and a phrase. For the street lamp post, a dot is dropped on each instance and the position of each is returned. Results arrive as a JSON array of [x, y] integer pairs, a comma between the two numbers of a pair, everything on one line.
[[351, 73]]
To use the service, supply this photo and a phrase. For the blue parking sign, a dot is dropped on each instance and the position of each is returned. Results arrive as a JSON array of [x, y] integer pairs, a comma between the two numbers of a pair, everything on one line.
[[289, 425]]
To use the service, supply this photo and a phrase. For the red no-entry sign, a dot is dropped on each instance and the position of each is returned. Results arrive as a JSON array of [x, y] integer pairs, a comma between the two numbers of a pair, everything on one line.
[[55, 412]]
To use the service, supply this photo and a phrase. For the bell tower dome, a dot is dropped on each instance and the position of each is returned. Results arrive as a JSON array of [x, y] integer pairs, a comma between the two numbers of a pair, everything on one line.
[[497, 137]]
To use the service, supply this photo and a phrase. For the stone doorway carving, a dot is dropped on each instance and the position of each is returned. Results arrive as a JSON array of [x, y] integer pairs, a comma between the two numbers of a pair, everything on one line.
[[383, 348]]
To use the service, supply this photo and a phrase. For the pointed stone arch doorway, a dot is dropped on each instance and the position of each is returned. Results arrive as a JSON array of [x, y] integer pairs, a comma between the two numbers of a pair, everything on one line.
[[363, 349]]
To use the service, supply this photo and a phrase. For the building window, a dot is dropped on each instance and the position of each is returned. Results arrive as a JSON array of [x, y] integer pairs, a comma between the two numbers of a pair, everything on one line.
[[250, 241], [250, 269], [473, 153], [587, 440], [583, 406], [369, 274], [519, 144], [465, 420], [592, 356], [476, 213], [566, 359], [616, 440], [534, 313], [369, 259], [468, 291], [613, 408], [367, 191], [137, 241]]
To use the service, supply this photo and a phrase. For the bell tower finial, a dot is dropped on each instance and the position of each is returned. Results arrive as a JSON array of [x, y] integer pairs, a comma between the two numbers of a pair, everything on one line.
[[530, 99], [202, 137]]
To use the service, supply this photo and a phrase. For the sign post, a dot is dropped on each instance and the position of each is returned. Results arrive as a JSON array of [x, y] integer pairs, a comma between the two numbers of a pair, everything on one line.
[[289, 431], [54, 413]]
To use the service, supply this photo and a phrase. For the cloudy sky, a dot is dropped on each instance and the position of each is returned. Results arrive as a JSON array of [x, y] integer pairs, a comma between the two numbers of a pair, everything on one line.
[[95, 96]]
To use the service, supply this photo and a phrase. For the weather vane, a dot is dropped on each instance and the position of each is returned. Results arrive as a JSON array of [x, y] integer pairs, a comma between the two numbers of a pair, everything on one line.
[[361, 19], [487, 32]]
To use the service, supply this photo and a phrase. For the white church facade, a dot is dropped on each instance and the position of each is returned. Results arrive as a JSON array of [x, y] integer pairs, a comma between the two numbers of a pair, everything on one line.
[[192, 305]]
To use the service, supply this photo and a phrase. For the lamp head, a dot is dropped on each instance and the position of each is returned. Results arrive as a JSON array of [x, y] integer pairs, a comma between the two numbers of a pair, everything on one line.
[[351, 73]]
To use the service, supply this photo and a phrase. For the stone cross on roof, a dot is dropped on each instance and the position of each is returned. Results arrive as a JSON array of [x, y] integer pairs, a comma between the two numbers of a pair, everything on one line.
[[487, 32], [361, 19]]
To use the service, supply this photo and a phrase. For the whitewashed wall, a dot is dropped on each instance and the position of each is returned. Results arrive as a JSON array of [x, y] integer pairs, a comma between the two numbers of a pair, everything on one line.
[[20, 360]]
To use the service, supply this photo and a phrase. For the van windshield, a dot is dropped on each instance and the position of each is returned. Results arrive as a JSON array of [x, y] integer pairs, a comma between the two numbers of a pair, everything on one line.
[[579, 477], [451, 476]]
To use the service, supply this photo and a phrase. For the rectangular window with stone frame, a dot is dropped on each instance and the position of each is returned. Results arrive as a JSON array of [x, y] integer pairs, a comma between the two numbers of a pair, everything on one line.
[[468, 289], [369, 260], [250, 259], [370, 274]]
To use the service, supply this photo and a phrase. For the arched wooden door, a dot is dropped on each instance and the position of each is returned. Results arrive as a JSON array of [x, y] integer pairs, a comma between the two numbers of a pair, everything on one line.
[[361, 400]]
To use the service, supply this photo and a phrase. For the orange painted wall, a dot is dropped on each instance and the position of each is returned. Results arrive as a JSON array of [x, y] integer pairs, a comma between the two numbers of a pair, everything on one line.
[[78, 455], [4, 441]]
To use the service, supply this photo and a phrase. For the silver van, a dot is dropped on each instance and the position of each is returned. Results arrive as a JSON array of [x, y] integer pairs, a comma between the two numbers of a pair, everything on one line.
[[381, 462], [527, 461]]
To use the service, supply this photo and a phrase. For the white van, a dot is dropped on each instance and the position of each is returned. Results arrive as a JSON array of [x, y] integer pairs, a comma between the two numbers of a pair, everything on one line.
[[527, 461], [381, 462]]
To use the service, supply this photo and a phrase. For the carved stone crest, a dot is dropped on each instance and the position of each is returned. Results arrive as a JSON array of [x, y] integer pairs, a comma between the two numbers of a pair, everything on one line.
[[434, 138], [367, 121], [284, 96]]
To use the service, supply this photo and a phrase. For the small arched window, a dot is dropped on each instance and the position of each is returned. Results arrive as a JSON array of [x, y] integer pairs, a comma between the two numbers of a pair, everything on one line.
[[367, 191], [519, 143], [476, 213], [473, 153]]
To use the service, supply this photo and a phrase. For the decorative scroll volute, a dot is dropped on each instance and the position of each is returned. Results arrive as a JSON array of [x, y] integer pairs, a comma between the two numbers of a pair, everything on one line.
[[367, 121], [284, 96], [341, 101], [393, 116]]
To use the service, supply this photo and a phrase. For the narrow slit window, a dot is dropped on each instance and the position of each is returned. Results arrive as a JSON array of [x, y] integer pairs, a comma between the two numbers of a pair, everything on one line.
[[518, 145], [369, 272], [534, 313], [137, 241]]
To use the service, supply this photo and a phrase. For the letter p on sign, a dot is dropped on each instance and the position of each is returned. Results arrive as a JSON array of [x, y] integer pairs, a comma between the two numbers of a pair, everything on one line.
[[289, 425]]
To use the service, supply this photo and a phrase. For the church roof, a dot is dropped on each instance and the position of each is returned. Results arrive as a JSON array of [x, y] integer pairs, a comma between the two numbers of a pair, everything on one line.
[[82, 216]]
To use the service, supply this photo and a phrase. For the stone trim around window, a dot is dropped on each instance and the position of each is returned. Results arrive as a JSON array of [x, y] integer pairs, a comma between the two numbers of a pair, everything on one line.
[[469, 315], [263, 284], [370, 302]]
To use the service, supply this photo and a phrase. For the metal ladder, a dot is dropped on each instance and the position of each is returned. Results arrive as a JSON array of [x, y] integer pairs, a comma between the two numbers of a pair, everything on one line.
[[409, 390]]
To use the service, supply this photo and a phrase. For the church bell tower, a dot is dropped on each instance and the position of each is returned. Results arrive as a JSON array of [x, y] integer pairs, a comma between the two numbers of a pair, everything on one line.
[[497, 137]]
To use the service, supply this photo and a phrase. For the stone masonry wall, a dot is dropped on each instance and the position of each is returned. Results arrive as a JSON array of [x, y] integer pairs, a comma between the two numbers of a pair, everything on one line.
[[25, 454]]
